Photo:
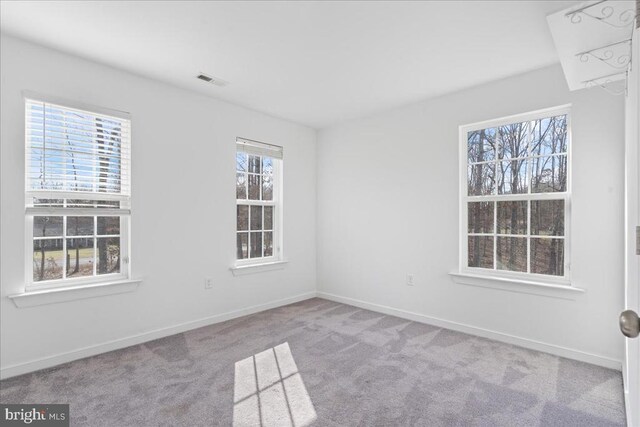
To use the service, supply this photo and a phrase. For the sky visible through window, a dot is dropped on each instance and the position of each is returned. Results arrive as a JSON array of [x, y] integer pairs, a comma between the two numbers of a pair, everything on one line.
[[73, 151]]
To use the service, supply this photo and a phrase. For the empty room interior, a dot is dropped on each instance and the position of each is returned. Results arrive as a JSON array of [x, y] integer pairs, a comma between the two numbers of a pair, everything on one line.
[[320, 213]]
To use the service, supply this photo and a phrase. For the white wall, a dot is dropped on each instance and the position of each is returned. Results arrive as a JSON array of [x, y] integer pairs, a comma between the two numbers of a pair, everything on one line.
[[379, 215], [388, 205], [183, 222]]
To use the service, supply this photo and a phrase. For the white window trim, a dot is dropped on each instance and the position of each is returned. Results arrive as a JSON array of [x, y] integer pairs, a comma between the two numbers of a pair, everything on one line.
[[75, 292], [498, 279], [277, 260], [72, 287], [241, 270], [518, 285]]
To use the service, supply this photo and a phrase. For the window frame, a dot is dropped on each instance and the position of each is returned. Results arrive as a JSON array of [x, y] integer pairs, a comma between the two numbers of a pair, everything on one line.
[[30, 212], [464, 199], [276, 202]]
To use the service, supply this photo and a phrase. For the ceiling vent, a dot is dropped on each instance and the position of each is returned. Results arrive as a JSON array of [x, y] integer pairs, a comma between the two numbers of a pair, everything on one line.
[[213, 80]]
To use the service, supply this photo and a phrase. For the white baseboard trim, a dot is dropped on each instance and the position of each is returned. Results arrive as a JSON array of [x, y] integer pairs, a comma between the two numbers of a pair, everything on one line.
[[50, 361], [569, 353]]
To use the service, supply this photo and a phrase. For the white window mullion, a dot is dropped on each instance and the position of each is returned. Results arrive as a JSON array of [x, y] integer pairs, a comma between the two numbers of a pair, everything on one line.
[[65, 179], [528, 177], [516, 197], [260, 177], [262, 228], [44, 145], [95, 246], [566, 237], [64, 247], [496, 177], [248, 230], [495, 235], [277, 208], [528, 236], [95, 173]]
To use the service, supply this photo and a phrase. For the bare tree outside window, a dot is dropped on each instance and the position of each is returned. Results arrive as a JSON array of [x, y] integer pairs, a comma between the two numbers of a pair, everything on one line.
[[517, 176]]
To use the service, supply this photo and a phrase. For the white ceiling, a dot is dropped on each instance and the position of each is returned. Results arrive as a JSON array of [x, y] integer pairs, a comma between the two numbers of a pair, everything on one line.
[[315, 63]]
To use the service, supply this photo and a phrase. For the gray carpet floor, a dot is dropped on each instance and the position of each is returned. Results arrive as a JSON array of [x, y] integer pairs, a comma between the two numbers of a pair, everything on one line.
[[322, 363]]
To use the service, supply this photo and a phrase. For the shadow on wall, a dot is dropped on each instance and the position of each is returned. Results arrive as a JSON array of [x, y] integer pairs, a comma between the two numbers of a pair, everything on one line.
[[269, 391]]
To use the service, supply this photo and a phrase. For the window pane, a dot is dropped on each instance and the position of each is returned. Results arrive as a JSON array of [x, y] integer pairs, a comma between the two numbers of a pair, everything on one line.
[[267, 165], [80, 257], [512, 254], [481, 179], [256, 217], [481, 145], [108, 225], [241, 186], [550, 136], [513, 140], [47, 259], [268, 217], [79, 226], [47, 226], [512, 217], [268, 244], [480, 216], [549, 174], [254, 187], [242, 219], [547, 256], [256, 245], [267, 187], [108, 255], [512, 177], [242, 246], [480, 252], [241, 162], [254, 164], [547, 217]]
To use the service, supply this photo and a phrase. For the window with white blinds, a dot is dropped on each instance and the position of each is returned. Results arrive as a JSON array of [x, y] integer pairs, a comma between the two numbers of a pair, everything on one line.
[[258, 202], [78, 193]]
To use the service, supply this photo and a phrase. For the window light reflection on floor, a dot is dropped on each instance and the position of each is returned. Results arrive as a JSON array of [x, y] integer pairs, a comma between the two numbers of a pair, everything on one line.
[[269, 391]]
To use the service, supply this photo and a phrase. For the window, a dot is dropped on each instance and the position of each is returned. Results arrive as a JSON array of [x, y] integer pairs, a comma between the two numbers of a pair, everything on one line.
[[516, 196], [258, 202], [77, 194]]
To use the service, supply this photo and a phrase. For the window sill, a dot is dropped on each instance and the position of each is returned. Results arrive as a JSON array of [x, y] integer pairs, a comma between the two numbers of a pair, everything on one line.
[[241, 270], [71, 293], [519, 285]]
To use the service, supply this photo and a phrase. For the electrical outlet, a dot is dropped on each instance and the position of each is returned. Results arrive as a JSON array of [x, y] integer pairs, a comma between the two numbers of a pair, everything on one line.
[[208, 283], [410, 280]]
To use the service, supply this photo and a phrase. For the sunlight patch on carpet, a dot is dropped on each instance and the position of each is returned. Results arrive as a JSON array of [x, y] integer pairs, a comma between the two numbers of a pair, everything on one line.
[[269, 391]]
